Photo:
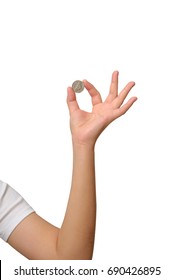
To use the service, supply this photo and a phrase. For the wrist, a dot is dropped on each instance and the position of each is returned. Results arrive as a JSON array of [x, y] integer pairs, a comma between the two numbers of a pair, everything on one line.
[[81, 146]]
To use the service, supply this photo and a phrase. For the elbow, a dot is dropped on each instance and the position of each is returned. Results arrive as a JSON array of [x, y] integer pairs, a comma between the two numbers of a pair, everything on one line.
[[73, 248]]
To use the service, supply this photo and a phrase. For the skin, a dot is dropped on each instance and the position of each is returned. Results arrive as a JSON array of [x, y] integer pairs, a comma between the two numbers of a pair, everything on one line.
[[34, 237]]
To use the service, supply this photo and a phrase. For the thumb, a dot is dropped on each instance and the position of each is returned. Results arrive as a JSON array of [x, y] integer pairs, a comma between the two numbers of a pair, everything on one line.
[[71, 100]]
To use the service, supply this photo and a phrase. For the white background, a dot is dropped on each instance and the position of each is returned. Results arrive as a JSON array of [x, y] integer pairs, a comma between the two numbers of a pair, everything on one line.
[[44, 47]]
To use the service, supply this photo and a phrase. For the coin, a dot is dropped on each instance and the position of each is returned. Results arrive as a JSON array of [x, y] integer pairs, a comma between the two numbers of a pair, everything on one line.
[[78, 86]]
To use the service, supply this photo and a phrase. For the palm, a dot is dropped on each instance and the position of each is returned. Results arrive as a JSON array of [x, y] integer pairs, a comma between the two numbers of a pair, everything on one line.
[[87, 126], [100, 113]]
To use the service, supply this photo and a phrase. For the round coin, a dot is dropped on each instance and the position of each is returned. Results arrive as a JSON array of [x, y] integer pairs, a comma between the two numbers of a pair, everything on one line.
[[78, 86]]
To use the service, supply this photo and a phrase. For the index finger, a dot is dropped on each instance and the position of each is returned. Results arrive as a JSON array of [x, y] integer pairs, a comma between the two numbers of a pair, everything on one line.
[[94, 93]]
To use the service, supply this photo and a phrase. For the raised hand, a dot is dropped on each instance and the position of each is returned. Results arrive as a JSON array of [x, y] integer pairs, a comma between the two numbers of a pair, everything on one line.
[[87, 126]]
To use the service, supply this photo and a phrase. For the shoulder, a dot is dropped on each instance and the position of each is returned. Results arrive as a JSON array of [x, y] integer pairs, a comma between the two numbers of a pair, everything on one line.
[[13, 209]]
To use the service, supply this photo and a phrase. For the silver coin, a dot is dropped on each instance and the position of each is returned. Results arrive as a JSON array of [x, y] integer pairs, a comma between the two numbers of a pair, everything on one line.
[[78, 86]]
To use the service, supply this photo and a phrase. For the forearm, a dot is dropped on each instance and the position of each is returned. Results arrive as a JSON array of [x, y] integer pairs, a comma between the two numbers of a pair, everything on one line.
[[76, 237]]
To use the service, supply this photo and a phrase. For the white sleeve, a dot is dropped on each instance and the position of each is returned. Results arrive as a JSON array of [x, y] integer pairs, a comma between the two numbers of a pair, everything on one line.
[[13, 209]]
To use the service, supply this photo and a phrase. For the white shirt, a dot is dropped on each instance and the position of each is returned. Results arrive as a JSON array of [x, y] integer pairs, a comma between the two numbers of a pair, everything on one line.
[[13, 209]]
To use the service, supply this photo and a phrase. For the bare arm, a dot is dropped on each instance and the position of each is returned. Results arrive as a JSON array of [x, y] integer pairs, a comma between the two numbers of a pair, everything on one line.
[[37, 239], [76, 238]]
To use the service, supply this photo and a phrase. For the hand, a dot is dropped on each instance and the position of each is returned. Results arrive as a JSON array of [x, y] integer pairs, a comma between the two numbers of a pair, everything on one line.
[[87, 126]]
